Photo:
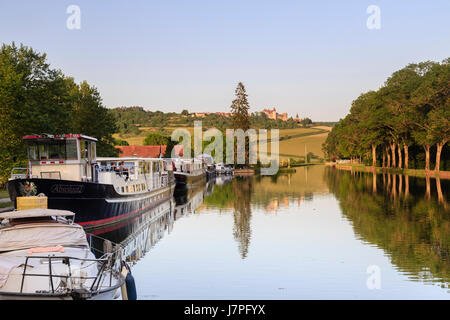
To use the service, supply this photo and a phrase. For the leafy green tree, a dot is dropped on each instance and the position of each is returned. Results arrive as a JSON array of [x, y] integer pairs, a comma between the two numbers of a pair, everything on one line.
[[119, 142], [154, 139], [396, 94], [90, 117], [411, 109], [33, 99], [368, 115], [434, 93], [305, 122]]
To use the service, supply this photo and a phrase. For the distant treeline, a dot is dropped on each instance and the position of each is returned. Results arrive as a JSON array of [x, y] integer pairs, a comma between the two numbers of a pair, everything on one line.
[[324, 123], [35, 99], [408, 118], [129, 119]]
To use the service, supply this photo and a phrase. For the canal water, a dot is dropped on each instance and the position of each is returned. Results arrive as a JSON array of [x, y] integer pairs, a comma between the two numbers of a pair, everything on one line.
[[319, 233]]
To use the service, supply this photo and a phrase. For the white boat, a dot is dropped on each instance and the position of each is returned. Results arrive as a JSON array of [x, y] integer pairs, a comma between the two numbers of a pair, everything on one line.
[[209, 165], [44, 255], [189, 171], [222, 168]]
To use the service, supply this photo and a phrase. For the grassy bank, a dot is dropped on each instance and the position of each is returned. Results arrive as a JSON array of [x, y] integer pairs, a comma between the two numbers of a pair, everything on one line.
[[5, 204], [410, 172], [4, 194]]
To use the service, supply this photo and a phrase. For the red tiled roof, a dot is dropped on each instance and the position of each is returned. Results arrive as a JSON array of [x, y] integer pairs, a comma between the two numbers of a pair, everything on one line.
[[145, 151]]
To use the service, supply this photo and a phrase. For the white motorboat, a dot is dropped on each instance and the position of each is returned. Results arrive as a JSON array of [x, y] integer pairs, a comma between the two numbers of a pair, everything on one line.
[[44, 255]]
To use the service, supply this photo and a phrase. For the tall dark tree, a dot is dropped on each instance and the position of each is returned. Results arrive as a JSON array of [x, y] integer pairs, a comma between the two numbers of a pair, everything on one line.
[[240, 116], [239, 109]]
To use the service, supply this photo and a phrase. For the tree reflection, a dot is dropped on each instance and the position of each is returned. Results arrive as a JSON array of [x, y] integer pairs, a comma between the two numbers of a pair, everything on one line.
[[410, 223], [242, 188]]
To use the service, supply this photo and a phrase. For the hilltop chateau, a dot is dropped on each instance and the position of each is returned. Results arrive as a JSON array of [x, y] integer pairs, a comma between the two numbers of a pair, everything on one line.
[[271, 114]]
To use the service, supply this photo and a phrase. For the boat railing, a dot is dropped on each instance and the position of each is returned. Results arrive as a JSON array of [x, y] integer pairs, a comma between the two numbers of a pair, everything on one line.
[[110, 262], [116, 169], [105, 267]]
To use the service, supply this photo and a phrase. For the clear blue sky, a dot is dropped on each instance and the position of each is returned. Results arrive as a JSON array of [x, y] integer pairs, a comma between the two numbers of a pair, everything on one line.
[[307, 57]]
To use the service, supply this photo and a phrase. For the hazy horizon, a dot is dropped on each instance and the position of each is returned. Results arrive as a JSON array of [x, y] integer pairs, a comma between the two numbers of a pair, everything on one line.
[[297, 56]]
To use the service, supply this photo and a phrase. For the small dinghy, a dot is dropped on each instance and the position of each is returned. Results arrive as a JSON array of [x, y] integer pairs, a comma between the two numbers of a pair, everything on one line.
[[44, 255]]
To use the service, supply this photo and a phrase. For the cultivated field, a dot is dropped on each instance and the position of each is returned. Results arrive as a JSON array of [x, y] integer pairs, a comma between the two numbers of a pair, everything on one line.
[[292, 141]]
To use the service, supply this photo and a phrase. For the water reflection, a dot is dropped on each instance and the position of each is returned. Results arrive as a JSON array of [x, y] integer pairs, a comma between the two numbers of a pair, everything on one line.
[[137, 236], [243, 189], [187, 200], [270, 193], [405, 216], [288, 229]]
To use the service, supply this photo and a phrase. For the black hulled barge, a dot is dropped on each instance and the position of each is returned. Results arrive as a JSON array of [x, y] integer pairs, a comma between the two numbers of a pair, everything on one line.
[[100, 191]]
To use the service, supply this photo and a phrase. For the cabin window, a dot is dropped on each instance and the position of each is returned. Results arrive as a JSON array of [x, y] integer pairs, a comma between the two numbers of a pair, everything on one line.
[[71, 149], [56, 150], [93, 149], [82, 149], [33, 151], [43, 155], [123, 189], [52, 150]]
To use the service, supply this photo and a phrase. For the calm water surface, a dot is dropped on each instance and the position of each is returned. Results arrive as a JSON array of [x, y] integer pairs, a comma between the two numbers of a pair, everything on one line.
[[309, 235]]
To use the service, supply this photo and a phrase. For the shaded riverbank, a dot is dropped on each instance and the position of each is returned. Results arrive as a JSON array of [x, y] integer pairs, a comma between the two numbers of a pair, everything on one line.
[[422, 173]]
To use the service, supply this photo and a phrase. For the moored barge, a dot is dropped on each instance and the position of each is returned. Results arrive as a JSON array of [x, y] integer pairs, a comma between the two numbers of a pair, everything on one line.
[[100, 191], [188, 172]]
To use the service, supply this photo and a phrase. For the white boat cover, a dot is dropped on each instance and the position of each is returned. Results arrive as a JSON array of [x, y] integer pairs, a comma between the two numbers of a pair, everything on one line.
[[35, 213], [6, 265], [34, 235]]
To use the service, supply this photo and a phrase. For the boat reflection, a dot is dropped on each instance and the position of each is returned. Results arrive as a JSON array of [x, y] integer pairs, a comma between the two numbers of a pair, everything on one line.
[[138, 235]]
